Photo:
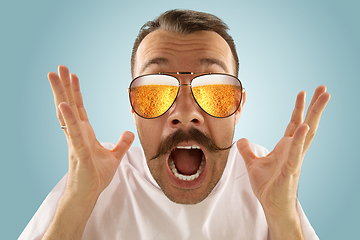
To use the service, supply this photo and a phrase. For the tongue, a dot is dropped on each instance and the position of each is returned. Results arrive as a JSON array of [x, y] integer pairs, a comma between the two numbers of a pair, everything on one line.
[[187, 161]]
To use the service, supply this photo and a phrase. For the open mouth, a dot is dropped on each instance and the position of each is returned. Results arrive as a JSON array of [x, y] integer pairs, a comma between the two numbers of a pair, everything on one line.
[[187, 162]]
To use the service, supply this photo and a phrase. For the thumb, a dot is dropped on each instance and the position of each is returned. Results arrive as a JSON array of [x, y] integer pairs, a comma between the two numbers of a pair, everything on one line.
[[124, 143], [246, 151]]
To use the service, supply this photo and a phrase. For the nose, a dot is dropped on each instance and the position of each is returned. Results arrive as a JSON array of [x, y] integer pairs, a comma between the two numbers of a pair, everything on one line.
[[185, 112]]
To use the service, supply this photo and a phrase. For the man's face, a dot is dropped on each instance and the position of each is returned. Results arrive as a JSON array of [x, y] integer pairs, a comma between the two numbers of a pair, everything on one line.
[[200, 52]]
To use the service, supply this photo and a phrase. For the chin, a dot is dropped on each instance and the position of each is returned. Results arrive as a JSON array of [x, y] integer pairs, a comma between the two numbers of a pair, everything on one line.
[[186, 191], [187, 197]]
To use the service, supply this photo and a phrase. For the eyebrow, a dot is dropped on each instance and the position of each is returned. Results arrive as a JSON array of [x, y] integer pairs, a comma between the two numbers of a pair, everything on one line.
[[213, 61], [157, 61], [204, 61]]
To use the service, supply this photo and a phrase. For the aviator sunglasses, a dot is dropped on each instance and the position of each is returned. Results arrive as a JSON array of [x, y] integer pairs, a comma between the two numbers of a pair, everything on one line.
[[217, 94]]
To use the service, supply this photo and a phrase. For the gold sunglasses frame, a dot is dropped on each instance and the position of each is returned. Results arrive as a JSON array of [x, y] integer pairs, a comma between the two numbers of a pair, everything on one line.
[[180, 85]]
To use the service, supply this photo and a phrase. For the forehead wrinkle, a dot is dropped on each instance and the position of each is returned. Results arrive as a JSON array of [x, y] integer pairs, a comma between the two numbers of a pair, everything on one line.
[[161, 48]]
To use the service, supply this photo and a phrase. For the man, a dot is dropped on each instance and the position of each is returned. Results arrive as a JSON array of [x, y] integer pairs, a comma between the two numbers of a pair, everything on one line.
[[187, 181]]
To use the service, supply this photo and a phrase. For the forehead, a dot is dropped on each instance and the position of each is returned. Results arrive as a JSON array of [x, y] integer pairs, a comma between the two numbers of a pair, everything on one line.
[[163, 50]]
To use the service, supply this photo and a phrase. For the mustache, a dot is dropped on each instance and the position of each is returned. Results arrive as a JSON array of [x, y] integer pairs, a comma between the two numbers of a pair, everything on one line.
[[179, 136]]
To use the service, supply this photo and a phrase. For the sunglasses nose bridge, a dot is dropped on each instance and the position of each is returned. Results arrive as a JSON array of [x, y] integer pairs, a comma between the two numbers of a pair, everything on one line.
[[185, 92], [185, 110], [185, 95], [182, 89]]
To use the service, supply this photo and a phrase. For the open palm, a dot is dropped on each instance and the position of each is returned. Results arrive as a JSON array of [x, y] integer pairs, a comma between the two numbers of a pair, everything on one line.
[[274, 178], [91, 166]]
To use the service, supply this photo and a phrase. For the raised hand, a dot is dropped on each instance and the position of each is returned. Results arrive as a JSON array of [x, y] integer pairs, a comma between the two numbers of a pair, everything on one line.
[[274, 178], [91, 166]]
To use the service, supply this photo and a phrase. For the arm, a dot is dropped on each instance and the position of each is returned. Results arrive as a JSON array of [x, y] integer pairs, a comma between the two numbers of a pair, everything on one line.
[[91, 166], [274, 178]]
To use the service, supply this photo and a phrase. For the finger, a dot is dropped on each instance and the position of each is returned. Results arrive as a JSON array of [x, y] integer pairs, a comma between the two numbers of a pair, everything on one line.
[[72, 126], [65, 80], [296, 148], [313, 117], [124, 143], [58, 92], [297, 115], [246, 151], [318, 91], [78, 97]]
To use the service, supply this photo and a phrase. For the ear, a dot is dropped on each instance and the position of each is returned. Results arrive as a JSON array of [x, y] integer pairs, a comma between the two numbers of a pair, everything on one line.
[[134, 115], [238, 112]]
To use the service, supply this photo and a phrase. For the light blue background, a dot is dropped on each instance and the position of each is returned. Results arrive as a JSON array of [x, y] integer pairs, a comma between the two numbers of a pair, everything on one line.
[[284, 47]]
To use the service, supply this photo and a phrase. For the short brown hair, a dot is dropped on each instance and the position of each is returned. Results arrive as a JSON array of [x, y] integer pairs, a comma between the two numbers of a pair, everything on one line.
[[186, 22]]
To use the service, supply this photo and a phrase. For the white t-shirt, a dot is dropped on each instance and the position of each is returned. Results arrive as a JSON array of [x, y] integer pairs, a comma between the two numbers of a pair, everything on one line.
[[134, 207]]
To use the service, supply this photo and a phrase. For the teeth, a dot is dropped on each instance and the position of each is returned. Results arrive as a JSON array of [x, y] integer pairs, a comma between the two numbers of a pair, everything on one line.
[[185, 177], [188, 147]]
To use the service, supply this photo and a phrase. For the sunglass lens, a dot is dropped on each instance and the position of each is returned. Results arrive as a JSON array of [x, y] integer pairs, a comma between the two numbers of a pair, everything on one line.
[[217, 94], [152, 95]]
